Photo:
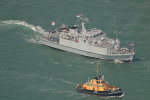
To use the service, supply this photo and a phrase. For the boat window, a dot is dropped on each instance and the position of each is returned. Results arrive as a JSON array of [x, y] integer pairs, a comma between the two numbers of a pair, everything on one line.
[[98, 82], [103, 81], [100, 33]]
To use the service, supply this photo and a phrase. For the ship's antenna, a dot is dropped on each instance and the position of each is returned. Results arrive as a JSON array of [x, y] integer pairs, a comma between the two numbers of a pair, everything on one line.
[[78, 20], [115, 27], [97, 72], [63, 22]]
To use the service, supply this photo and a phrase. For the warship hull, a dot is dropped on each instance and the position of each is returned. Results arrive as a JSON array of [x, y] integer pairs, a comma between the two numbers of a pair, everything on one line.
[[120, 57]]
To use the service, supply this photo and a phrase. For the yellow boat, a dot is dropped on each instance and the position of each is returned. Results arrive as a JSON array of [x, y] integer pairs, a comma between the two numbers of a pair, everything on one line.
[[99, 86]]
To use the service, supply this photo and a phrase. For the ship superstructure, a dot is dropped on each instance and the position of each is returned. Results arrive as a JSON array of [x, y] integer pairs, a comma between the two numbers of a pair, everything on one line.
[[92, 43]]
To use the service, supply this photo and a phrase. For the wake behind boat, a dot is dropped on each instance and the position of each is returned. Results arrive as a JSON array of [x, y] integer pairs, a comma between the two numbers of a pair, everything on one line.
[[93, 43]]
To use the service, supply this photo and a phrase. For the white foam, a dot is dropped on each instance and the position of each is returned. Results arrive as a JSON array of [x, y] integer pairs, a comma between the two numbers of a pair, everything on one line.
[[91, 62], [28, 38], [67, 82], [23, 23], [113, 96], [118, 61], [55, 62], [32, 39]]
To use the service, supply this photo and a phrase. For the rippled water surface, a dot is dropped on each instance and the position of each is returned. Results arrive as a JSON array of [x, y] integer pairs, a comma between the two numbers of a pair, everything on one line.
[[29, 70]]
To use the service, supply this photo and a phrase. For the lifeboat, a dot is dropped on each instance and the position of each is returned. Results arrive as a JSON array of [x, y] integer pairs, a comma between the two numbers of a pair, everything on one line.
[[99, 86]]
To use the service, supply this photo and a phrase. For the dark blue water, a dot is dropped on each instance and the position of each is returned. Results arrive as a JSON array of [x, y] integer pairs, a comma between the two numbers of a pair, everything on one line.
[[29, 70]]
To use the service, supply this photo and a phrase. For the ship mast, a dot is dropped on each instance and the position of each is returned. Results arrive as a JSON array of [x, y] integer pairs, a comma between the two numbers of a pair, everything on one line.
[[97, 72], [83, 19], [115, 28], [63, 23], [83, 27]]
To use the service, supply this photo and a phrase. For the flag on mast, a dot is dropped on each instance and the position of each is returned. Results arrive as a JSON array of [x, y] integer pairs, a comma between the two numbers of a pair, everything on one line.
[[53, 23], [131, 44], [78, 15]]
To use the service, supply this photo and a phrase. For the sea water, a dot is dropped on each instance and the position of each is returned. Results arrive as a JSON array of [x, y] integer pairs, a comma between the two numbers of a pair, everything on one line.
[[29, 70]]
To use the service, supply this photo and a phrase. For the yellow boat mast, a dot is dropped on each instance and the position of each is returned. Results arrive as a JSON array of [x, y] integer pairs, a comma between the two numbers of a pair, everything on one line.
[[97, 71]]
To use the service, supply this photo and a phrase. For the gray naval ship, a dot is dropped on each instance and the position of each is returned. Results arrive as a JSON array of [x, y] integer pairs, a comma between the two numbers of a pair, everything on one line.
[[92, 43]]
